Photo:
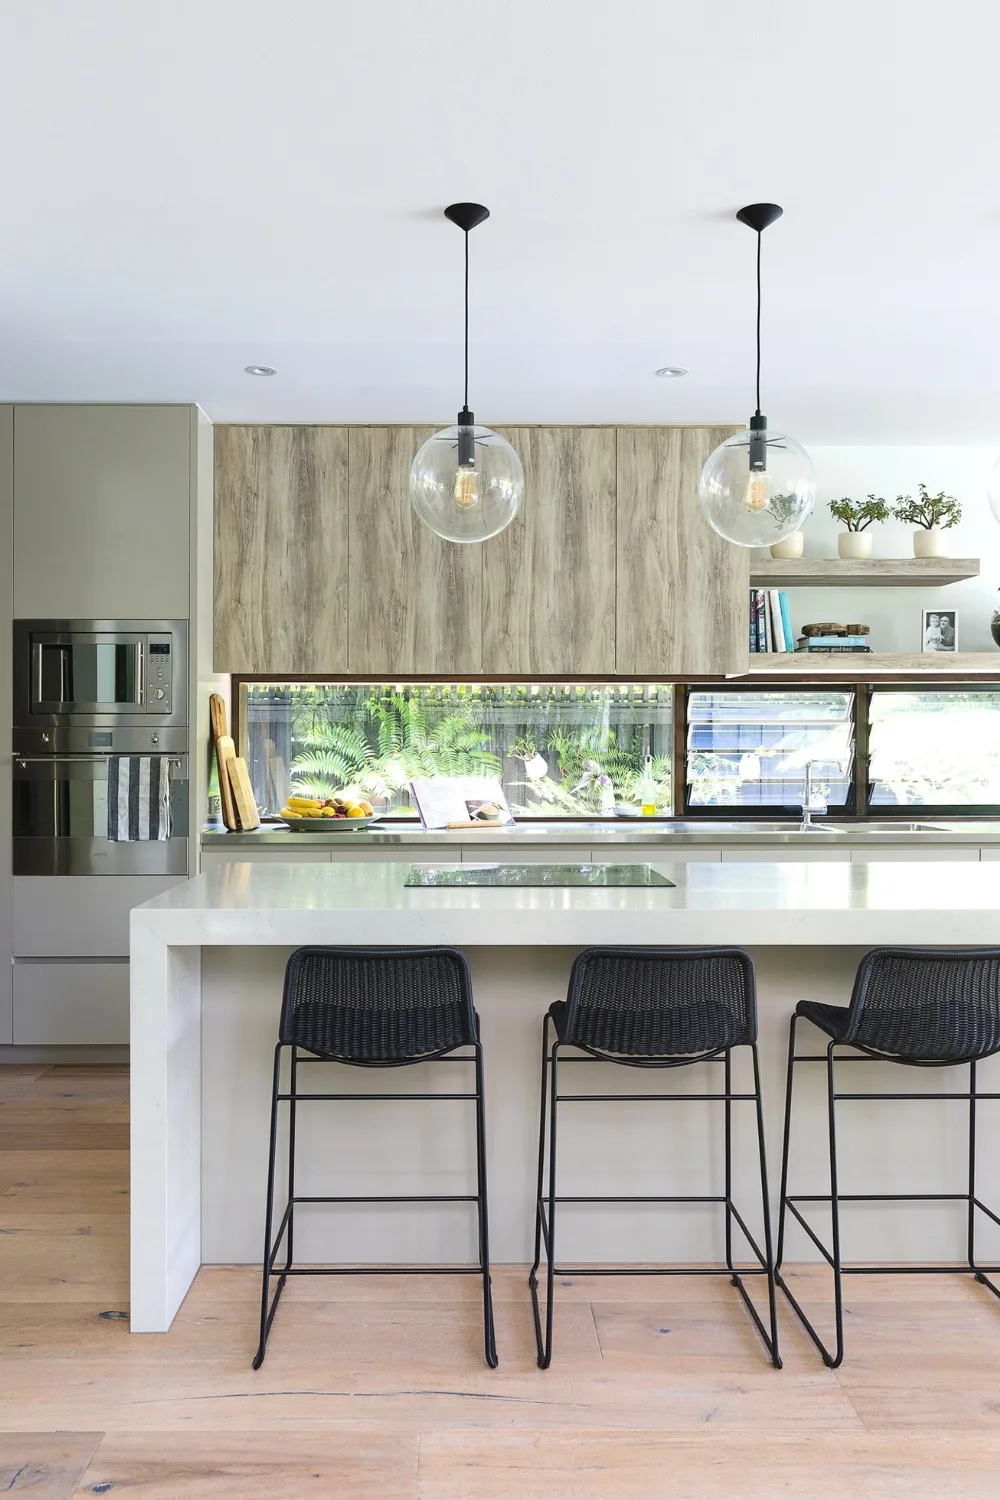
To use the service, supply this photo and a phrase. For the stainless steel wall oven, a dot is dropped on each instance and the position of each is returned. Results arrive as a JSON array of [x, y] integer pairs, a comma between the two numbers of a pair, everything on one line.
[[85, 690]]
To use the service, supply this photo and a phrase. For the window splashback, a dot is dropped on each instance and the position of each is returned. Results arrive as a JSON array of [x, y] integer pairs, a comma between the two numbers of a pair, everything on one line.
[[560, 749]]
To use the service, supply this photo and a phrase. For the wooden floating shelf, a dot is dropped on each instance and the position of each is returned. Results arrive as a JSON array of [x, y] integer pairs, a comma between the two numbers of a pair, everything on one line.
[[861, 666], [835, 572]]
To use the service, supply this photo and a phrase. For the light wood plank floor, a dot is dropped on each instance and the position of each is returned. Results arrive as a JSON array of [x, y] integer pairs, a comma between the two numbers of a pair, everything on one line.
[[375, 1388]]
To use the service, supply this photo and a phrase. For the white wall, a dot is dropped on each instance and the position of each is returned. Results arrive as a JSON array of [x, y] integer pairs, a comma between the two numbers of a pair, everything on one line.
[[894, 613]]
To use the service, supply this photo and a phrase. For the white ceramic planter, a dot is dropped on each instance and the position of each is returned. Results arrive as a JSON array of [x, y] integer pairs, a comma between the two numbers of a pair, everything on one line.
[[853, 545], [789, 546], [928, 542]]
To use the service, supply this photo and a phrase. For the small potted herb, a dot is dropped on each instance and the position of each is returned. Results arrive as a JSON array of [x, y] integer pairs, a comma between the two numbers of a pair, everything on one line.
[[782, 508], [857, 516], [931, 515]]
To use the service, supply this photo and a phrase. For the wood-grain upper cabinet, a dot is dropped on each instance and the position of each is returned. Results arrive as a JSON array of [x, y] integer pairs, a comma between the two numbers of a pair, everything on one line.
[[549, 579], [281, 549], [682, 590], [415, 600]]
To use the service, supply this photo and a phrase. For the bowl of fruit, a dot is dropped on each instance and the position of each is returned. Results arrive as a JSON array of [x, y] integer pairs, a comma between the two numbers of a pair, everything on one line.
[[338, 814]]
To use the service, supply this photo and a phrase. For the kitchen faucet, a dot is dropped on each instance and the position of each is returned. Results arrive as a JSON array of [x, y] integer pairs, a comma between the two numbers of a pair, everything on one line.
[[808, 800]]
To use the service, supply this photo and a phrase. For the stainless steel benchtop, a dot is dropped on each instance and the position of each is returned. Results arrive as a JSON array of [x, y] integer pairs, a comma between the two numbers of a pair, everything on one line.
[[638, 831]]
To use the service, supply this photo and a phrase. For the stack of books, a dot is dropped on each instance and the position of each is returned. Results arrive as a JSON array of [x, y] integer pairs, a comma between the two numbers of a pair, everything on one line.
[[832, 644], [770, 621]]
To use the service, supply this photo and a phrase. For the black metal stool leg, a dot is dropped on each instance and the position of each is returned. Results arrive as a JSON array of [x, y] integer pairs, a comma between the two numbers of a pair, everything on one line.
[[542, 1122], [489, 1335], [980, 1276], [834, 1259], [728, 1085], [293, 1101], [838, 1280], [766, 1205], [545, 1224], [266, 1318], [783, 1194]]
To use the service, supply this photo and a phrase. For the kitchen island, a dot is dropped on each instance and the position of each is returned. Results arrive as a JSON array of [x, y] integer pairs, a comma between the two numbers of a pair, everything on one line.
[[207, 963]]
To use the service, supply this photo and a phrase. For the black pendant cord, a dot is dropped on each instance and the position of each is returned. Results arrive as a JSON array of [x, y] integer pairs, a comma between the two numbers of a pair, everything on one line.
[[758, 315], [465, 400]]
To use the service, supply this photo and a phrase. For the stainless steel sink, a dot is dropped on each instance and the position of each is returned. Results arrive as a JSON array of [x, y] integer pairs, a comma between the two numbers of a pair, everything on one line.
[[820, 826], [886, 827]]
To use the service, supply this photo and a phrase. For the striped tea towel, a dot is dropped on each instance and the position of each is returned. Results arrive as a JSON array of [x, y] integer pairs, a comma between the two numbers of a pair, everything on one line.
[[138, 798]]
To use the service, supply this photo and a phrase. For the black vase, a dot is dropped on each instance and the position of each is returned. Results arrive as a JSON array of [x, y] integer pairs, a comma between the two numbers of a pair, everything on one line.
[[995, 626]]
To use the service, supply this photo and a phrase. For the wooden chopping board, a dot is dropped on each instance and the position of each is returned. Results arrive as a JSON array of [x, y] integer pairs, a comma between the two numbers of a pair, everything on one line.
[[225, 750], [239, 778]]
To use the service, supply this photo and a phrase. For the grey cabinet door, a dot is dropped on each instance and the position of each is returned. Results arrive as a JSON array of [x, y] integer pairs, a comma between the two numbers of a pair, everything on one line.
[[6, 584], [102, 511], [415, 600], [549, 579], [281, 550], [71, 1003], [682, 590]]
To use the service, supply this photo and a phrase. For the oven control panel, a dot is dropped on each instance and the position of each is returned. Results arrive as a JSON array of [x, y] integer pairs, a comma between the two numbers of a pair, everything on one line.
[[159, 690]]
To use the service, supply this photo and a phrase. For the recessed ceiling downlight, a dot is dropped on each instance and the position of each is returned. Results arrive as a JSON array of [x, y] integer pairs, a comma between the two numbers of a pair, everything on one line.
[[672, 372], [260, 370]]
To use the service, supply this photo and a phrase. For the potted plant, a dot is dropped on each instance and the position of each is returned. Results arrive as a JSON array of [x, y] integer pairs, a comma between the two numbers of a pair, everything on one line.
[[931, 515], [782, 508], [857, 516]]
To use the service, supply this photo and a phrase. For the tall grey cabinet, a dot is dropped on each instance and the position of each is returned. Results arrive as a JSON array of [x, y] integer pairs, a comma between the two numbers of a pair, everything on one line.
[[97, 521]]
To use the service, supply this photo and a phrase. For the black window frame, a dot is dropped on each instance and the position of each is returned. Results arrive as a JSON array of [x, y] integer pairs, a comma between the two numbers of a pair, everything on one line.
[[923, 811], [772, 812]]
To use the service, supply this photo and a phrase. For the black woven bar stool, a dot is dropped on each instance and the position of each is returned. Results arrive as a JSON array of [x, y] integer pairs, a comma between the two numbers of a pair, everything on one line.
[[923, 1008], [652, 1008], [374, 1008]]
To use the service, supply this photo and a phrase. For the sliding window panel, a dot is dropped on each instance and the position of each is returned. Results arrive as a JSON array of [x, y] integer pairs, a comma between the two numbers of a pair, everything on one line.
[[549, 579], [281, 549], [415, 600], [934, 751], [681, 590]]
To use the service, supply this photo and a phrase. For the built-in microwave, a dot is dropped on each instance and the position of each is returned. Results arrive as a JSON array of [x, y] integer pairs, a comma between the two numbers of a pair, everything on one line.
[[102, 673]]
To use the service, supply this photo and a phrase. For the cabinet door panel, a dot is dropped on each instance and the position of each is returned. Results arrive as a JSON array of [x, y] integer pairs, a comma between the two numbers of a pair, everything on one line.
[[549, 579], [682, 590], [72, 1003], [415, 600], [281, 549], [102, 510]]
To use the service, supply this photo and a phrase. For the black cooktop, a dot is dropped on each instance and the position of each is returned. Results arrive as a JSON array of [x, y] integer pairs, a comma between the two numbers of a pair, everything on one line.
[[535, 875]]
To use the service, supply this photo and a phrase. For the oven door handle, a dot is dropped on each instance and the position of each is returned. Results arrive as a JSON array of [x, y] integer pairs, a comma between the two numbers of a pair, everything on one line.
[[54, 760], [140, 674]]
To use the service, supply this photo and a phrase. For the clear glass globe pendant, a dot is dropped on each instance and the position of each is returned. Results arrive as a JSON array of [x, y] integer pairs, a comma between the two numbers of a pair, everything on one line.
[[993, 493], [466, 482], [758, 486]]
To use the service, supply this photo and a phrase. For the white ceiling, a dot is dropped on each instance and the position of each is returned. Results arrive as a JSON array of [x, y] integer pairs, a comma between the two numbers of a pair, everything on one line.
[[198, 185]]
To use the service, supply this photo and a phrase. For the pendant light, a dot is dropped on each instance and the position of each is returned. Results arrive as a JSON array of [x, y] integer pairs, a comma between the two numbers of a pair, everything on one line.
[[760, 486], [993, 492], [466, 482]]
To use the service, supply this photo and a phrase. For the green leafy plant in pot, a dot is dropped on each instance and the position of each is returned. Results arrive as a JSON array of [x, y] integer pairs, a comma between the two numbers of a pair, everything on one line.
[[932, 515], [857, 515], [782, 508]]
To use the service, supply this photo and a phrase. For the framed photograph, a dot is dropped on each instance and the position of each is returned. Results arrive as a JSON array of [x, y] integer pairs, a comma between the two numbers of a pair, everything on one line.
[[939, 630]]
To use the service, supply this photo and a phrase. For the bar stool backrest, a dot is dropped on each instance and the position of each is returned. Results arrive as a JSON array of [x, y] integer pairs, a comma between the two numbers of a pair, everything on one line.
[[661, 1002], [929, 1004], [388, 1005]]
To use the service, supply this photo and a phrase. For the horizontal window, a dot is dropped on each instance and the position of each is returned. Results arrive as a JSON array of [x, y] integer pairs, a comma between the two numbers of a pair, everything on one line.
[[938, 748], [560, 750], [750, 748]]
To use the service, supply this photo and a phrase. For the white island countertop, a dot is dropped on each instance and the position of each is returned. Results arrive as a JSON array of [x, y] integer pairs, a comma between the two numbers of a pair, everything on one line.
[[762, 903]]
